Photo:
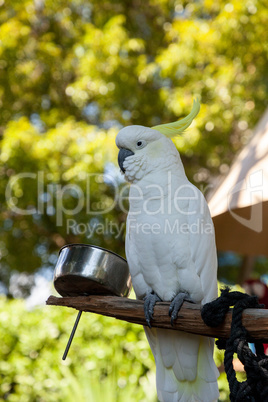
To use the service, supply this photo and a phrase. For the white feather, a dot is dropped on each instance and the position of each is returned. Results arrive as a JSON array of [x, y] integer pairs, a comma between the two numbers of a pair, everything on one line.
[[170, 247]]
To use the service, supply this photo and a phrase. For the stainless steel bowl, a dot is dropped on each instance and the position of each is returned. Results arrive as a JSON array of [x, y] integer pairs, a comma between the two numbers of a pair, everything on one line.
[[83, 269]]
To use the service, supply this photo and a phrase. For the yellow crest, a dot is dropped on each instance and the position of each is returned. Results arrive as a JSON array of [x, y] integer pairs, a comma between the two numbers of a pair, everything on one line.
[[177, 127]]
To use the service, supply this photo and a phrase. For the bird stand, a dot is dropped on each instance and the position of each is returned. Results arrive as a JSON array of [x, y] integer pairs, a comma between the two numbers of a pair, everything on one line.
[[96, 280], [189, 317], [252, 321]]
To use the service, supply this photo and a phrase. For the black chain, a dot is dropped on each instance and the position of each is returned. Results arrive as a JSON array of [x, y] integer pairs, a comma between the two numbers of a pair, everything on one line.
[[255, 388]]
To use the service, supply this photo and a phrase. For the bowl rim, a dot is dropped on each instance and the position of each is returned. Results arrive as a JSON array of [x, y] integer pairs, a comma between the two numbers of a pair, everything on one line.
[[92, 246]]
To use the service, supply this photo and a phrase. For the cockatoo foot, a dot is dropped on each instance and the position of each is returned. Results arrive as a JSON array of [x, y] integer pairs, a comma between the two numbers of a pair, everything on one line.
[[176, 304], [149, 303]]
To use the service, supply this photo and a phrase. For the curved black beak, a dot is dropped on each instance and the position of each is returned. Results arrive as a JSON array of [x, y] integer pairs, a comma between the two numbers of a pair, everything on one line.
[[122, 155]]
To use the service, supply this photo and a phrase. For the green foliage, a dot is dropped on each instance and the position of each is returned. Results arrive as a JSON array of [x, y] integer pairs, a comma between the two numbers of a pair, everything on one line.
[[73, 72], [70, 69], [108, 359]]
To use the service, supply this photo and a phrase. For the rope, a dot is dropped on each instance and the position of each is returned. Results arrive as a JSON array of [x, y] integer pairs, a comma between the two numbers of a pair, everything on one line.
[[255, 388]]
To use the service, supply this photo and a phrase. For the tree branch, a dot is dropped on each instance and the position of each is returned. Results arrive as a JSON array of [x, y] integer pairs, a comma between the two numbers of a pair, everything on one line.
[[189, 318]]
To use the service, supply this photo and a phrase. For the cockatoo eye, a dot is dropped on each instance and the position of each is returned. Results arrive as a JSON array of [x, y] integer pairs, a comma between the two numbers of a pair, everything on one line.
[[141, 144]]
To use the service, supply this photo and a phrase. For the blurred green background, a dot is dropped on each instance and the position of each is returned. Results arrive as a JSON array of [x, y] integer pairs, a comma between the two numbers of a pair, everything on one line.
[[72, 73]]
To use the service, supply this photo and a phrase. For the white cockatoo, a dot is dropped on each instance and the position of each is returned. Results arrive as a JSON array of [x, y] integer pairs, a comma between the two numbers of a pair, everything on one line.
[[171, 253]]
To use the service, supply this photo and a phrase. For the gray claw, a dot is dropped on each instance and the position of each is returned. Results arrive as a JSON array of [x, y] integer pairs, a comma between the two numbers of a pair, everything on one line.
[[149, 303], [176, 304]]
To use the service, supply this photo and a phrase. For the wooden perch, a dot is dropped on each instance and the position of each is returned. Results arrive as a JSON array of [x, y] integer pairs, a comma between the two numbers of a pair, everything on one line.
[[189, 318]]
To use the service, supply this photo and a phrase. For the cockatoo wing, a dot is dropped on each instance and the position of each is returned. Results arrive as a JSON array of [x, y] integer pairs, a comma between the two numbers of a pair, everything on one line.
[[185, 369], [203, 247]]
